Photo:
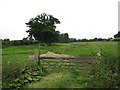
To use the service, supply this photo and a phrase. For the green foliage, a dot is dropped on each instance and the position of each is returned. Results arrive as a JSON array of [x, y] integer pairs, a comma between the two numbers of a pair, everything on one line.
[[42, 28], [17, 43], [72, 39], [27, 75], [64, 38], [61, 78], [49, 36], [117, 35], [6, 39], [104, 71]]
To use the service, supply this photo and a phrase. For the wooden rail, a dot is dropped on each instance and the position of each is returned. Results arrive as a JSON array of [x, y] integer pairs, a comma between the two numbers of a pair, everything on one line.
[[56, 62], [65, 58], [56, 58]]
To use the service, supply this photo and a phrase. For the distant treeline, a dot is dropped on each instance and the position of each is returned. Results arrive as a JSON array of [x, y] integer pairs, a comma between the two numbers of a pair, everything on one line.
[[92, 40], [63, 39], [7, 42]]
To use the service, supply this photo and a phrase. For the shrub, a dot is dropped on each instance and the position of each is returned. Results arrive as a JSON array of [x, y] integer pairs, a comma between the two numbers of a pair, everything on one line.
[[105, 71]]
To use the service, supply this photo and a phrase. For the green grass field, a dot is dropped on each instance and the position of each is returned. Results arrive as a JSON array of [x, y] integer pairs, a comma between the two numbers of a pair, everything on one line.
[[15, 58]]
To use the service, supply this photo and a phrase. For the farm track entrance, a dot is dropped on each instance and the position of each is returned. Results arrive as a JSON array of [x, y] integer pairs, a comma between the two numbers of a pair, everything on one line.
[[51, 63]]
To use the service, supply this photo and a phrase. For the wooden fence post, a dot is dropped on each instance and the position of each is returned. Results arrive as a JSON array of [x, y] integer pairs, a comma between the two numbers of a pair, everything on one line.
[[36, 54], [39, 55]]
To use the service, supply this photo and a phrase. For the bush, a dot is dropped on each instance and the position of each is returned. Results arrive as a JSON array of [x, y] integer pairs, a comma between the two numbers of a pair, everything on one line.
[[105, 71]]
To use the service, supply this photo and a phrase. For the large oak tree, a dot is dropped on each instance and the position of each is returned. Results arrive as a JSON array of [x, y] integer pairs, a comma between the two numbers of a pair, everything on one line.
[[42, 28]]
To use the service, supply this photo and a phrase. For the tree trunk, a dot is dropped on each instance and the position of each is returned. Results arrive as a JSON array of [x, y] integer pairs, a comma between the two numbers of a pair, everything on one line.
[[39, 55]]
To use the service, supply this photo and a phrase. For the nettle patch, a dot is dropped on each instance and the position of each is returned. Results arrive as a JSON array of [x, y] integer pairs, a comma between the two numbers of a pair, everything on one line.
[[28, 75]]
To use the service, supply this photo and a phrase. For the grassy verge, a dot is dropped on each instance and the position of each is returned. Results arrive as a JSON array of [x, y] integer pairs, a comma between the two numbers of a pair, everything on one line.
[[62, 78]]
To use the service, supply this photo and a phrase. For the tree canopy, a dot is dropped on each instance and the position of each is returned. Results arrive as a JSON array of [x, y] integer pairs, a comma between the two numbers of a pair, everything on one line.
[[42, 28], [64, 38], [117, 35]]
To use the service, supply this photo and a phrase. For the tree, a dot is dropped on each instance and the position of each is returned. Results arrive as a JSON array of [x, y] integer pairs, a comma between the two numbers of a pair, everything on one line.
[[73, 40], [25, 39], [64, 38], [42, 28], [117, 35], [95, 39], [50, 36], [84, 40], [6, 39], [99, 39], [79, 40]]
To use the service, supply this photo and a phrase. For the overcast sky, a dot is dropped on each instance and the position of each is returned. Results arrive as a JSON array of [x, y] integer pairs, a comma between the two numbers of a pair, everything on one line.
[[79, 18]]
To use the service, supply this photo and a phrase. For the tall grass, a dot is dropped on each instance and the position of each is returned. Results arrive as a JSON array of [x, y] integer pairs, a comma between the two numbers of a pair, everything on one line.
[[61, 78]]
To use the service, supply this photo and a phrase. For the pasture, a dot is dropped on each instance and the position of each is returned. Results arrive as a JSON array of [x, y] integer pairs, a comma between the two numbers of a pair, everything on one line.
[[14, 60]]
